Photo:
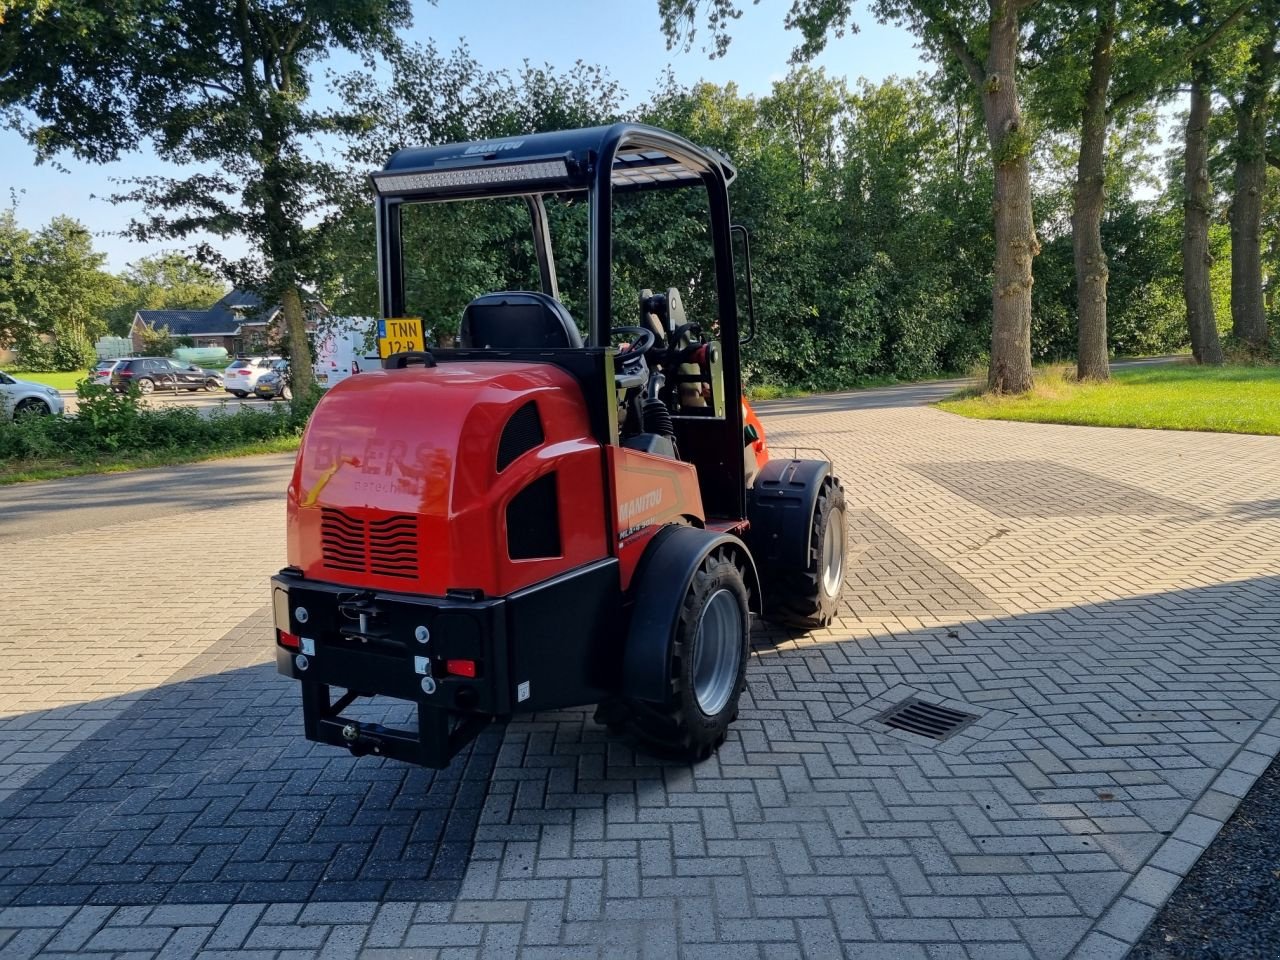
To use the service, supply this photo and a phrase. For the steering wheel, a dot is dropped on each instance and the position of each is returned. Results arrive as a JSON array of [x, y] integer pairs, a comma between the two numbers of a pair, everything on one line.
[[642, 340]]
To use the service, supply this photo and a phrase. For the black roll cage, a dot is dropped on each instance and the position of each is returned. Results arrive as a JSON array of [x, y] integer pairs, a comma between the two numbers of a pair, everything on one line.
[[596, 161]]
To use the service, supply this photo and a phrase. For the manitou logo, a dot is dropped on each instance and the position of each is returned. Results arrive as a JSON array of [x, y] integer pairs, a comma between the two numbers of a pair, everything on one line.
[[496, 147], [638, 506]]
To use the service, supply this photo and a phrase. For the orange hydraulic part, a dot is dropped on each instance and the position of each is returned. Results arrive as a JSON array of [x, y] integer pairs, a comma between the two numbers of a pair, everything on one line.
[[750, 423], [399, 484]]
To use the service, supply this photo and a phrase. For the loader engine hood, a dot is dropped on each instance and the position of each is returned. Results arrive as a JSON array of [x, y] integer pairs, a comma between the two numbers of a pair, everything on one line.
[[475, 476]]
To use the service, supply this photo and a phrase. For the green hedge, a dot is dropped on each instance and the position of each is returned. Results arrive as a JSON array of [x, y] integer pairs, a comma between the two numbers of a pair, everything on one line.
[[114, 424]]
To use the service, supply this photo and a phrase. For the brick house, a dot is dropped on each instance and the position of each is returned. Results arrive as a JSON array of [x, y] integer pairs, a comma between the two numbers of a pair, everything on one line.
[[239, 323]]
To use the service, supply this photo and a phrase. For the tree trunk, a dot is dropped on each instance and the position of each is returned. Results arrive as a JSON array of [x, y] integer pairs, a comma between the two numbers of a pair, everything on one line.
[[1092, 362], [295, 321], [1248, 317], [1015, 234], [1196, 259], [1248, 313]]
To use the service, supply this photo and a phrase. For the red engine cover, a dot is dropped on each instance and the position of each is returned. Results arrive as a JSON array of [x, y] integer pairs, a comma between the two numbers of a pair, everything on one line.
[[397, 487]]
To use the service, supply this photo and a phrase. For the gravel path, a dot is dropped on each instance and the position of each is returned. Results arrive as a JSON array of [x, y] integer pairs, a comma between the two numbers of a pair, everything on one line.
[[1229, 905]]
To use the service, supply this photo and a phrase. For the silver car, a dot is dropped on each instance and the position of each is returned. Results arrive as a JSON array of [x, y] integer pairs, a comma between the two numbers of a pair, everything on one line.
[[20, 398]]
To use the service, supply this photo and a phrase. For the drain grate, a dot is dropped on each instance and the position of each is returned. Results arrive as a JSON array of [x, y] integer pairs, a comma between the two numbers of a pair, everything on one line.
[[925, 719]]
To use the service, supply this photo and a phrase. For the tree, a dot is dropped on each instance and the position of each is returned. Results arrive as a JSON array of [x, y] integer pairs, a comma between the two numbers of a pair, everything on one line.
[[1253, 105], [1079, 49], [52, 286], [985, 45], [166, 281], [16, 325], [1197, 261], [221, 83]]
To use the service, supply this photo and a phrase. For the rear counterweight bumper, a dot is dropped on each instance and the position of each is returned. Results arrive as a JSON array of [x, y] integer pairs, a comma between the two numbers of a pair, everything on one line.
[[556, 644]]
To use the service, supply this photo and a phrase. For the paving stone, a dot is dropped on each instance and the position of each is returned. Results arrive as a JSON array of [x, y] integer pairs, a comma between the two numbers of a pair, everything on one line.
[[1094, 597]]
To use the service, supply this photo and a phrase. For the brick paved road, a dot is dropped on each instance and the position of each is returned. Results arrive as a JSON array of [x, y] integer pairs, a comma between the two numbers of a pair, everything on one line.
[[1106, 603]]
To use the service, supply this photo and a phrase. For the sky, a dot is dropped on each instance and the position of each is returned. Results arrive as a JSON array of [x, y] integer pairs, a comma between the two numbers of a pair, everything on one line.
[[626, 37]]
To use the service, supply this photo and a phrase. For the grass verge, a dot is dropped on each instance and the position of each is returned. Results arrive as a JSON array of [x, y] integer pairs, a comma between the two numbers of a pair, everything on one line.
[[29, 470], [1175, 396], [59, 381]]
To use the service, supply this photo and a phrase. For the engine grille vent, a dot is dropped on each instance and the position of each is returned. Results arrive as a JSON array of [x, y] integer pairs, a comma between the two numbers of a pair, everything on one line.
[[393, 546], [343, 540], [385, 547], [925, 719], [522, 433]]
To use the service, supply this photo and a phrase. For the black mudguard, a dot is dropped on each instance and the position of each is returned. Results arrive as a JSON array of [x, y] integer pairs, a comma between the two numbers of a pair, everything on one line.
[[780, 507], [661, 582]]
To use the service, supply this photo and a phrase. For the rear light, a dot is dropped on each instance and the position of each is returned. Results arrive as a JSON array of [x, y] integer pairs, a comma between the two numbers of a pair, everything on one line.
[[460, 668], [286, 639]]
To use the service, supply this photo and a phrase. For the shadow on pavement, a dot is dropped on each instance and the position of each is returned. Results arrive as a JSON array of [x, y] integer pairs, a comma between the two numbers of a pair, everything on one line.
[[1100, 726]]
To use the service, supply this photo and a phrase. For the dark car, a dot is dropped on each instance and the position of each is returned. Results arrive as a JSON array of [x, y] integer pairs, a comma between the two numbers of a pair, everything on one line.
[[152, 373], [276, 385]]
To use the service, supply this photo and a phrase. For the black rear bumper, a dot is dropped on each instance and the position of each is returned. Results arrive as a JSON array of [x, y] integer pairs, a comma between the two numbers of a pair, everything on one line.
[[556, 644]]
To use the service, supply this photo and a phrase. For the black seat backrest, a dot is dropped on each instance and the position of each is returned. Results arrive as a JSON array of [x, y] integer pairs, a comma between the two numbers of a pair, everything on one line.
[[517, 318]]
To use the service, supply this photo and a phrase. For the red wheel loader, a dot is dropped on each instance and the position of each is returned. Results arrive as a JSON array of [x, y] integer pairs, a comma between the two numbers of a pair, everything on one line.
[[526, 516]]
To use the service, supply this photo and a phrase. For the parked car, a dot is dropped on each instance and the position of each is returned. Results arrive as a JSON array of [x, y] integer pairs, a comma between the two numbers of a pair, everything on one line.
[[22, 398], [242, 375], [101, 372], [276, 385], [209, 379], [152, 373]]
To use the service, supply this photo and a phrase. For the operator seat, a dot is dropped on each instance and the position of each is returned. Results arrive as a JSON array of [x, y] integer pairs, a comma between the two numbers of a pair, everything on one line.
[[517, 318]]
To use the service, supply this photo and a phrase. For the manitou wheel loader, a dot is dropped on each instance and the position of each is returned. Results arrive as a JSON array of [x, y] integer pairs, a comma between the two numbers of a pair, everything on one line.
[[526, 516]]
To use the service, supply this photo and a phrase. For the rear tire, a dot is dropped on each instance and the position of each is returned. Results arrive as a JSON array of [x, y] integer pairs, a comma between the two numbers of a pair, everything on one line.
[[809, 598], [708, 668], [146, 386]]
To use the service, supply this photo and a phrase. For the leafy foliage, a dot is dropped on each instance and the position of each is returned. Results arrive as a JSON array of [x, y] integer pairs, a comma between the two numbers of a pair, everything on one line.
[[110, 423], [220, 84], [167, 281], [54, 292]]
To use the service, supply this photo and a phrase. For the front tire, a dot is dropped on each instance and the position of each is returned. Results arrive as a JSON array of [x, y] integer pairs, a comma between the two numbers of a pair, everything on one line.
[[708, 669], [809, 598], [286, 393], [31, 407]]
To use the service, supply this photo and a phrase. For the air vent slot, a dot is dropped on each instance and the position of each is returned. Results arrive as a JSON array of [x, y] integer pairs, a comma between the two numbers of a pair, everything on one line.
[[533, 521], [342, 541], [522, 433], [384, 547], [393, 546], [925, 719]]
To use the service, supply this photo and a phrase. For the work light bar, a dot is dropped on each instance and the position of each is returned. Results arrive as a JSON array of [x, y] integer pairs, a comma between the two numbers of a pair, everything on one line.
[[427, 181]]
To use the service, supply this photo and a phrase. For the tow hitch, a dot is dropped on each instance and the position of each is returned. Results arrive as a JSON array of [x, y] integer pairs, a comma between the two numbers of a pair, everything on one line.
[[360, 741]]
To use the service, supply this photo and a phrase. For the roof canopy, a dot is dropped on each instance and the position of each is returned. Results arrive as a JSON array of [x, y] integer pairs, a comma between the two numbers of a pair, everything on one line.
[[641, 157]]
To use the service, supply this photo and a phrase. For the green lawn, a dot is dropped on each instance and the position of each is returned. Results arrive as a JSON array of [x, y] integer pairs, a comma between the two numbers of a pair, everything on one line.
[[1174, 396], [59, 381]]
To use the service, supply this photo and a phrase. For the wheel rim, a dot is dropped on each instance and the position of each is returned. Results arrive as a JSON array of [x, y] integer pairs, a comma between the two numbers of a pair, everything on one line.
[[30, 408], [717, 652], [833, 554], [145, 386]]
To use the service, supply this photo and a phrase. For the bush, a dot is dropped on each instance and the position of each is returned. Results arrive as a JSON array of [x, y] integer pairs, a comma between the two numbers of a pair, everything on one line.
[[36, 356], [73, 352]]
